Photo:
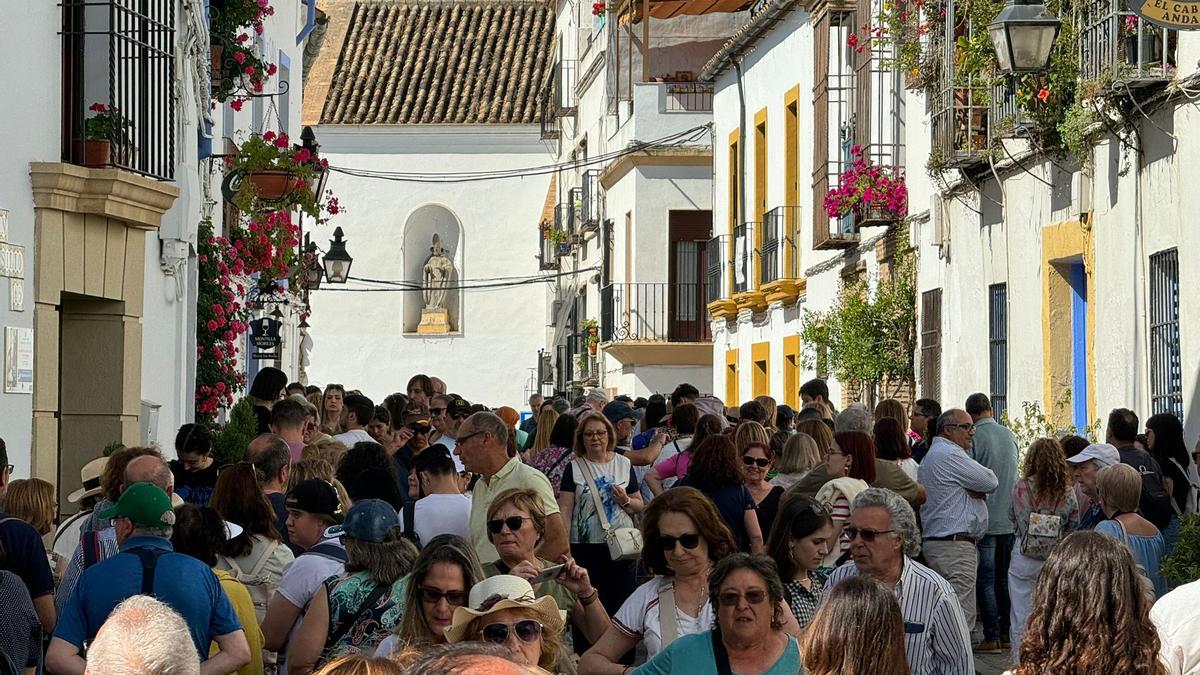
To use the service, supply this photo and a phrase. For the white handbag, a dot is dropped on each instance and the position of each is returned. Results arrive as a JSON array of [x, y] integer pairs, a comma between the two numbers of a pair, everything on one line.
[[624, 543]]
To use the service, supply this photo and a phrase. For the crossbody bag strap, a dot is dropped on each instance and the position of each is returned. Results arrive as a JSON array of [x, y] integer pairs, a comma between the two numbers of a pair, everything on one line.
[[587, 476], [264, 559], [367, 605], [720, 656], [561, 459], [667, 620]]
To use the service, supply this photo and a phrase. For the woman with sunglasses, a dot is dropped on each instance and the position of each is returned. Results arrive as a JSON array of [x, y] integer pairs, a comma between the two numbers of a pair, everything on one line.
[[716, 470], [850, 461], [749, 635], [515, 525], [757, 461], [616, 488], [443, 574], [503, 610], [799, 544], [684, 537]]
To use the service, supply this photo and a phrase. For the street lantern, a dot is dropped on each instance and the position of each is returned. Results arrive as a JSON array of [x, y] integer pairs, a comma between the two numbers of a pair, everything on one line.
[[337, 260], [1023, 36]]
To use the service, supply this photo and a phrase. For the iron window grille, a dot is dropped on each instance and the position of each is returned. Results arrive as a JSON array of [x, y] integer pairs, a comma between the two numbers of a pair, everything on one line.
[[716, 253], [960, 101], [778, 239], [548, 251], [743, 257], [563, 83], [574, 209], [592, 212], [998, 346], [1118, 46], [121, 54], [1166, 371], [1007, 120], [931, 344], [834, 94]]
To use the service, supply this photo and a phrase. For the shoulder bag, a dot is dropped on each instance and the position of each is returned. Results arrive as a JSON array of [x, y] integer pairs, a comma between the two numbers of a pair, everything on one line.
[[624, 543], [668, 622]]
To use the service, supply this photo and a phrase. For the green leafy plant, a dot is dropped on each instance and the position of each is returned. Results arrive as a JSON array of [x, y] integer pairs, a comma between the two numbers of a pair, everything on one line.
[[1034, 423], [558, 236], [241, 71], [107, 124], [1183, 565], [229, 443], [274, 153]]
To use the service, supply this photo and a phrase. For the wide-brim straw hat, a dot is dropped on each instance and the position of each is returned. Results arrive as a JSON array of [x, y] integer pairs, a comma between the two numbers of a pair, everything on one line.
[[504, 591], [89, 478]]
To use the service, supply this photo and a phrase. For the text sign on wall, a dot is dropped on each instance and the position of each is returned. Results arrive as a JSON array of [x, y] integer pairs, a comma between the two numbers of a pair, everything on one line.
[[1177, 14]]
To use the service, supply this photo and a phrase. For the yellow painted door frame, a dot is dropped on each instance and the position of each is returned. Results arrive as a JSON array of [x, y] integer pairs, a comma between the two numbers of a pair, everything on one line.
[[734, 176], [731, 377], [791, 371], [760, 191], [760, 369], [791, 178]]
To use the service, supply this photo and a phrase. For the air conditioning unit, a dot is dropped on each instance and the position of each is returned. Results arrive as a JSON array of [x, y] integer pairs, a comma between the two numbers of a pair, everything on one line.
[[555, 306]]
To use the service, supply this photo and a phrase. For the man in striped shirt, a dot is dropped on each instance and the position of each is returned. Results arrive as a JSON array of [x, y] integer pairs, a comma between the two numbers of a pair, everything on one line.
[[883, 533]]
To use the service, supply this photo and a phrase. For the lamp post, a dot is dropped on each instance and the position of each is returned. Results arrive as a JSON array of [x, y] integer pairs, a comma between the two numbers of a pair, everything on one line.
[[1023, 35], [337, 260]]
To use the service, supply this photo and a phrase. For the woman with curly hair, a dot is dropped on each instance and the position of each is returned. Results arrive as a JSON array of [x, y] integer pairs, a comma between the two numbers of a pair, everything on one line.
[[1044, 510], [1091, 613], [716, 470]]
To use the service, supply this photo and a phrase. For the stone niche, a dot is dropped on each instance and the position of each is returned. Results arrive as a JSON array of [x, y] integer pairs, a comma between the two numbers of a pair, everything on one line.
[[419, 228]]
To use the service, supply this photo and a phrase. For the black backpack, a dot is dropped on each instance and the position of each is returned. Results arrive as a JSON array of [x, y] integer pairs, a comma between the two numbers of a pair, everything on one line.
[[1156, 504]]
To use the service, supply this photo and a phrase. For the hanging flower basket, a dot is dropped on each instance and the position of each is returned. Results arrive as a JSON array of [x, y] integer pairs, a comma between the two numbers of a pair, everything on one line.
[[268, 173], [274, 186], [874, 194]]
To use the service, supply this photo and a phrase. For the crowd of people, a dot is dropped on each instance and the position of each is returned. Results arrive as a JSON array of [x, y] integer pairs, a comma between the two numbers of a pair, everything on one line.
[[671, 534]]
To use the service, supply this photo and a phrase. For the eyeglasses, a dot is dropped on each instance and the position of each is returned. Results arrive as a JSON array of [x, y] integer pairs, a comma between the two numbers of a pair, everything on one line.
[[689, 541], [462, 440], [436, 411], [460, 416], [595, 434], [762, 462], [867, 535], [527, 630], [755, 596], [419, 428], [831, 452], [966, 426], [513, 522], [433, 596]]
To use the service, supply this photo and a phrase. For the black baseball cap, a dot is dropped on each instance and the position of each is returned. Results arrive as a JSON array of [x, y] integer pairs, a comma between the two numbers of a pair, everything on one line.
[[458, 406], [317, 497], [617, 411]]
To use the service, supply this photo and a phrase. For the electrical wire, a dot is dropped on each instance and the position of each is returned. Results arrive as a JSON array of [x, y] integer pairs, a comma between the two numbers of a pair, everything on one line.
[[500, 282]]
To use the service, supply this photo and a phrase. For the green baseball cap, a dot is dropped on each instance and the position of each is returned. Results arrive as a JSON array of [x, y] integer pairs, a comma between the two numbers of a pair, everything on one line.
[[144, 504]]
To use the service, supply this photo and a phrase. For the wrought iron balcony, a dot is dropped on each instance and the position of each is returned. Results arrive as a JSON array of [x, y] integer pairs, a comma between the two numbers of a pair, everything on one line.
[[716, 254], [1115, 45], [547, 114], [564, 216], [591, 212], [562, 83], [744, 250], [689, 97], [779, 259], [653, 312], [120, 55], [548, 250]]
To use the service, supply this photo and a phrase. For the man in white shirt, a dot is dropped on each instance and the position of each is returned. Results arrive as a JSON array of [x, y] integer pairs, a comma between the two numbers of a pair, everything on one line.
[[359, 412], [1176, 615], [313, 507], [441, 507]]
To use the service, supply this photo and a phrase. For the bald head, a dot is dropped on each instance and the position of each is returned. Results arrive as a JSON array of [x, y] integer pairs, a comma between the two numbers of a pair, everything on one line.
[[150, 469]]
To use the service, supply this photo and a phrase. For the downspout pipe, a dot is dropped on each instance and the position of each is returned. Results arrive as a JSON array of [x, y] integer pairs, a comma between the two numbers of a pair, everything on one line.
[[741, 168]]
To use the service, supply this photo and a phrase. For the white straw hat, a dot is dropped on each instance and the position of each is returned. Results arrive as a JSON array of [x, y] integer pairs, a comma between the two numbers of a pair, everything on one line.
[[504, 591]]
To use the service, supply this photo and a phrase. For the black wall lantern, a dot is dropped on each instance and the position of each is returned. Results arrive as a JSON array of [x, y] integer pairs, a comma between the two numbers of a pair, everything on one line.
[[1023, 35], [337, 260]]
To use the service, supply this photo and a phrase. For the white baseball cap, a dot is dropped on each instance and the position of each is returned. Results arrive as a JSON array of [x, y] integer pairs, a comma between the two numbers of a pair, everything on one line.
[[1102, 452]]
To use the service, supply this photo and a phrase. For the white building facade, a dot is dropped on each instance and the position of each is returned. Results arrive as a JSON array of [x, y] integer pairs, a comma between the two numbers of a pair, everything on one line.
[[445, 151]]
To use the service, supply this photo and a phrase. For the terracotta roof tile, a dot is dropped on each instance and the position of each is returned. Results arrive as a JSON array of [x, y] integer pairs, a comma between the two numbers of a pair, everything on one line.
[[440, 62]]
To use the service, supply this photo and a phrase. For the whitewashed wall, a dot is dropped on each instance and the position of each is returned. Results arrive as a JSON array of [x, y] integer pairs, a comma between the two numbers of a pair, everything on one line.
[[357, 337]]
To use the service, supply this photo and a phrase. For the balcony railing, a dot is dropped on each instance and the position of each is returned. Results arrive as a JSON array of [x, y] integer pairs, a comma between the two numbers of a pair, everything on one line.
[[1007, 120], [547, 252], [564, 217], [689, 97], [779, 259], [547, 114], [959, 103], [717, 254], [575, 216], [653, 312], [121, 55], [1115, 45], [743, 256], [592, 212], [563, 83]]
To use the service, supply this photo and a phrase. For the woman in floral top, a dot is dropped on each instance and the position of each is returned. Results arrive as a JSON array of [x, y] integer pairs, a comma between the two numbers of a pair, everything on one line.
[[1044, 511], [553, 459], [799, 541]]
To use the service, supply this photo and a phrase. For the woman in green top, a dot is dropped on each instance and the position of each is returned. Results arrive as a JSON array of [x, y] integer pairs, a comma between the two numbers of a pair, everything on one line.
[[749, 635], [515, 524]]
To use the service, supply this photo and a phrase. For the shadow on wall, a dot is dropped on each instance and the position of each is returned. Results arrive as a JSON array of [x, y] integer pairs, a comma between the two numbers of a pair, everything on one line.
[[422, 224]]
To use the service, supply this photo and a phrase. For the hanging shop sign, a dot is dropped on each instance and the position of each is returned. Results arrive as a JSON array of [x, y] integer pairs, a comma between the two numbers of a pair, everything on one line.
[[1176, 14], [264, 334]]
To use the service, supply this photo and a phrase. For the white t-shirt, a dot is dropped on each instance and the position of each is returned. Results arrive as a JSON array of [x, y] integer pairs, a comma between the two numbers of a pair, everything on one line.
[[1176, 615], [302, 580], [583, 526], [638, 618], [353, 436], [442, 514]]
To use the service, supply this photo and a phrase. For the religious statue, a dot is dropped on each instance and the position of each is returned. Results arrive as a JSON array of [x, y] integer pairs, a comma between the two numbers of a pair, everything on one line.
[[436, 276], [437, 272]]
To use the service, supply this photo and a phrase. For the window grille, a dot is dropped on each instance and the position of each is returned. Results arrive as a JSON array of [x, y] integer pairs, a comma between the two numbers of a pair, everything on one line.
[[1166, 372], [998, 346]]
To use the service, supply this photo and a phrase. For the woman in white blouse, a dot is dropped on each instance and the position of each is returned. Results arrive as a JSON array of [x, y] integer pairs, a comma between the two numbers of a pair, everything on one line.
[[684, 536]]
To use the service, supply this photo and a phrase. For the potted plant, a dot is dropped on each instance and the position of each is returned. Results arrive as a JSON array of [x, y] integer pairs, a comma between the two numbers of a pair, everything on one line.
[[590, 327], [875, 195], [1151, 51], [276, 175], [101, 131], [561, 241], [238, 71], [593, 343]]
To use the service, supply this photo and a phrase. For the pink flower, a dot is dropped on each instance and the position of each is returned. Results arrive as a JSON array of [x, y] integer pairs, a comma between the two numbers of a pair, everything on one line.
[[303, 155], [249, 70], [271, 69], [236, 104], [240, 57], [97, 107], [212, 325], [282, 141], [268, 136], [258, 28], [243, 37]]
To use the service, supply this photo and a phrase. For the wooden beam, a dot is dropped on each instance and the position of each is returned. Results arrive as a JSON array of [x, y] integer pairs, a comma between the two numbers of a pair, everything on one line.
[[645, 40]]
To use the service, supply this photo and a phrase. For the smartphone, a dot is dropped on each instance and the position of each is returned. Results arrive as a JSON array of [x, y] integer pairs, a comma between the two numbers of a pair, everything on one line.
[[546, 575]]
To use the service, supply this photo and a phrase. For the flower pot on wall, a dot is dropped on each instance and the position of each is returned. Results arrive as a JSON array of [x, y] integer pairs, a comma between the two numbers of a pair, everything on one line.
[[97, 153], [273, 185], [592, 348], [877, 215]]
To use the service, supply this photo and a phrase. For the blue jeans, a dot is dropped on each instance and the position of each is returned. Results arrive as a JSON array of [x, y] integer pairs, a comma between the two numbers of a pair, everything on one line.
[[991, 585]]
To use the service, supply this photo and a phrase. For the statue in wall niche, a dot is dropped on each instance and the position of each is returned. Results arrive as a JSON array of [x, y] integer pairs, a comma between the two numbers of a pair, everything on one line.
[[436, 276], [437, 272]]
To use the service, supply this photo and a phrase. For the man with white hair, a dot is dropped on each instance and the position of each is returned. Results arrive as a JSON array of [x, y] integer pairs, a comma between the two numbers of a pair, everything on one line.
[[142, 637], [1084, 467], [855, 417], [884, 539]]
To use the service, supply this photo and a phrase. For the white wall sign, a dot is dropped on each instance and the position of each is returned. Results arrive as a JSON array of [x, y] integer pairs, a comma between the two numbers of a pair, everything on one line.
[[18, 360], [3, 224], [16, 295], [12, 261]]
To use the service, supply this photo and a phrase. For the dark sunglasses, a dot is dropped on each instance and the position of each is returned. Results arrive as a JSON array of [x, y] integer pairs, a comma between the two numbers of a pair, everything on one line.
[[419, 428], [689, 541], [867, 535], [434, 596], [762, 462], [731, 598], [460, 416], [513, 522], [527, 630], [436, 411]]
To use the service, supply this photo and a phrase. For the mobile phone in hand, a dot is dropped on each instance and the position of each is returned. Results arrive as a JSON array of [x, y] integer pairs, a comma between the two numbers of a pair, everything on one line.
[[550, 572]]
